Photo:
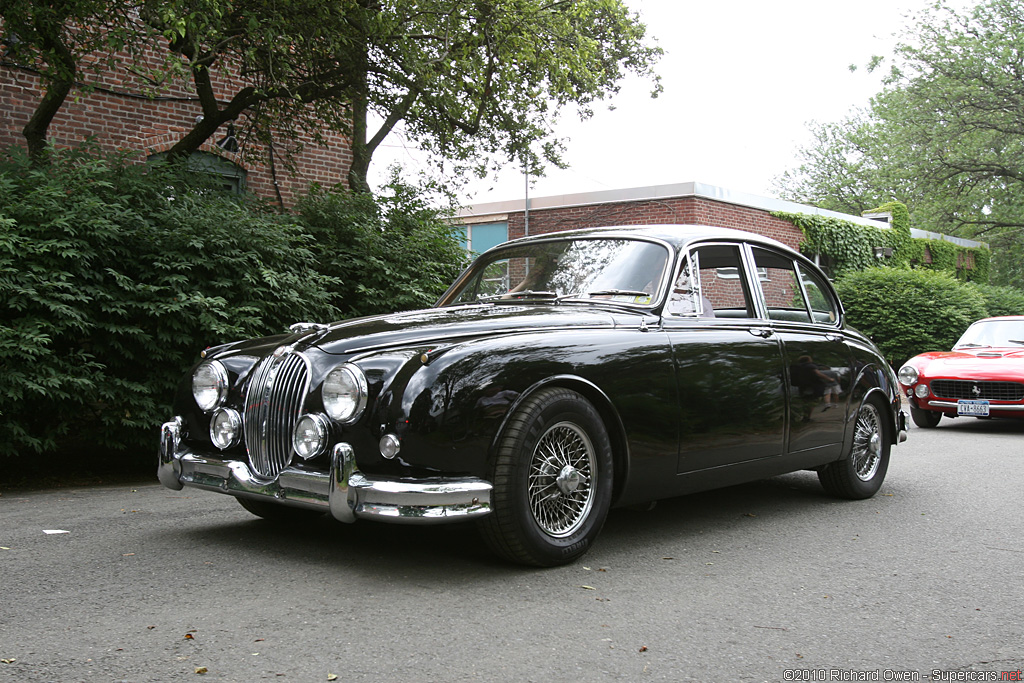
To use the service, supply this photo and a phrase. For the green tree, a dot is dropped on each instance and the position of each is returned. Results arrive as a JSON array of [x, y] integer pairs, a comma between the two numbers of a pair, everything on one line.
[[945, 136], [474, 82]]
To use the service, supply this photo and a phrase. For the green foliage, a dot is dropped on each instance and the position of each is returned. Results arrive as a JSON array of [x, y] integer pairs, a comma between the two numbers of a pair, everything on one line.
[[112, 278], [907, 312], [474, 83], [1000, 300], [945, 136], [850, 246], [481, 83], [390, 252]]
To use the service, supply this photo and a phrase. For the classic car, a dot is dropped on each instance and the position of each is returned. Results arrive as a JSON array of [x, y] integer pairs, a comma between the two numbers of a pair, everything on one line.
[[559, 376], [983, 376]]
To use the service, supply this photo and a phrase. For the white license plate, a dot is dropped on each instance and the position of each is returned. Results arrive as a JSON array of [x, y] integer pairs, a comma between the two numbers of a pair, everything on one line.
[[976, 408]]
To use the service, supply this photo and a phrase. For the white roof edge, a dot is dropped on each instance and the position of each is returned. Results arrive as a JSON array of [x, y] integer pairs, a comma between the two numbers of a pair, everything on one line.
[[690, 189]]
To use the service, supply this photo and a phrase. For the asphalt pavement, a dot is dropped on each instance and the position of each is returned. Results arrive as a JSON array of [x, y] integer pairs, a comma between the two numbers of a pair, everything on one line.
[[770, 581]]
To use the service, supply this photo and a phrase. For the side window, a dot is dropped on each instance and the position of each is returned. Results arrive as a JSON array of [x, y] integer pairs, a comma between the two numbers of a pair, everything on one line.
[[710, 284], [793, 293], [823, 307]]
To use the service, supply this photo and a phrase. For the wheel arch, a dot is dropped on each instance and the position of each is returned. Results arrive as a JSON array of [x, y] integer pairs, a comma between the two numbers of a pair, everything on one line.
[[605, 408]]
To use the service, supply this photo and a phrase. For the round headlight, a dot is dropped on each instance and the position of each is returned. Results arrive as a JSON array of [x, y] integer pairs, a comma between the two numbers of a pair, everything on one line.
[[210, 385], [908, 375], [225, 428], [921, 390], [344, 393], [310, 436]]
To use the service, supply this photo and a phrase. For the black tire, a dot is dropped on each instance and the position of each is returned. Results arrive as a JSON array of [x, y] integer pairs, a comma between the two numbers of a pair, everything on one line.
[[925, 418], [276, 512], [860, 474], [552, 477]]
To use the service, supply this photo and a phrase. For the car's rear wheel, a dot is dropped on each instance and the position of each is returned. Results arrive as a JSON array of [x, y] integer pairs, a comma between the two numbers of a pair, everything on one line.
[[861, 473], [552, 477], [925, 418], [275, 512]]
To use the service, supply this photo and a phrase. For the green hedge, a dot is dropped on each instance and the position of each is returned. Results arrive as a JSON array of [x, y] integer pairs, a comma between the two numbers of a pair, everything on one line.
[[112, 278], [389, 252], [907, 312]]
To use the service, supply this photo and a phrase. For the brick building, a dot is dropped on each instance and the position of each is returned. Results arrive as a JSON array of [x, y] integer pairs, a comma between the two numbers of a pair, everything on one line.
[[122, 110], [486, 225], [684, 203]]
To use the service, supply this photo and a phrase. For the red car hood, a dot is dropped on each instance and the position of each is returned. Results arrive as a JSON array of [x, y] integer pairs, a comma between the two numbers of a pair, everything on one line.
[[983, 363]]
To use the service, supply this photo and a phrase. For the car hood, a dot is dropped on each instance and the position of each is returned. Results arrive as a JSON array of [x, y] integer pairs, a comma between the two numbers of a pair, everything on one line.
[[981, 363], [445, 325]]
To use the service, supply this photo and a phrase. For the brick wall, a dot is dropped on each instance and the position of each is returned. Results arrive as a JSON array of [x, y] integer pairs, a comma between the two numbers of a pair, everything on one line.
[[120, 114], [673, 210]]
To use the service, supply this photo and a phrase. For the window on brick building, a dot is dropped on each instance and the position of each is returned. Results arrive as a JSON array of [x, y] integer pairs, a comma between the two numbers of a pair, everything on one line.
[[225, 173], [478, 238]]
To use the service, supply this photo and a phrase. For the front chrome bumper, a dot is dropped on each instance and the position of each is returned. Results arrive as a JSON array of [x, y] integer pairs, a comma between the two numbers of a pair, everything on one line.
[[345, 492]]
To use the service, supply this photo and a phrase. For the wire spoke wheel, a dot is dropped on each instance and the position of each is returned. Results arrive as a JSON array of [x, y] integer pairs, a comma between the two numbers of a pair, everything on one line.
[[867, 442], [861, 472], [561, 480], [553, 474]]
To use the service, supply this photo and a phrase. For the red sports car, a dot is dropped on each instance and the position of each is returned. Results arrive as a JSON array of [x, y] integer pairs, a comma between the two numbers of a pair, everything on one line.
[[983, 376]]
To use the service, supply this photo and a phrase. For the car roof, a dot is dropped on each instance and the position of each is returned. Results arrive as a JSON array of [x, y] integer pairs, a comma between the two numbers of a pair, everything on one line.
[[999, 317], [676, 235]]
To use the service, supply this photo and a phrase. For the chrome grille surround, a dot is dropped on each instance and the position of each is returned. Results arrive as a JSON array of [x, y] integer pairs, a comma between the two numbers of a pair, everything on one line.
[[273, 405], [978, 389]]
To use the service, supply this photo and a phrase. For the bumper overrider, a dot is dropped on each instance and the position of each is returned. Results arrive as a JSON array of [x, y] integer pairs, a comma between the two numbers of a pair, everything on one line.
[[345, 492]]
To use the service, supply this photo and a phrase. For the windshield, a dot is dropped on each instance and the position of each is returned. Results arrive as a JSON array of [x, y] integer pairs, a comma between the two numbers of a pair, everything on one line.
[[992, 333], [623, 270]]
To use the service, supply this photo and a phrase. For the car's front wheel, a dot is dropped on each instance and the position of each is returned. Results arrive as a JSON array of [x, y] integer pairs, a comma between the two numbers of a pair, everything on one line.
[[925, 418], [552, 477], [861, 473]]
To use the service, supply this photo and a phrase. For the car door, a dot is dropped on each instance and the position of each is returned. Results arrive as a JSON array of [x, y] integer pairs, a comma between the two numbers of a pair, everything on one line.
[[729, 366], [805, 317]]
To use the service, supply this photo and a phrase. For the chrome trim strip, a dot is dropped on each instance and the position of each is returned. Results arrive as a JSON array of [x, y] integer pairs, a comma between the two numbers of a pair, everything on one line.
[[991, 406], [345, 492]]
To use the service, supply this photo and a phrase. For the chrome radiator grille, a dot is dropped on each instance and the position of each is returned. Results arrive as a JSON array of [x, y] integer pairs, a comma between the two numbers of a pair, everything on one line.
[[272, 407], [965, 388]]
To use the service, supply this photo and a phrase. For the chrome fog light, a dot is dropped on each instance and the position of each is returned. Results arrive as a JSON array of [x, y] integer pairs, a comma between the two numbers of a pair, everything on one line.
[[310, 436], [921, 390], [225, 428], [907, 375], [210, 385], [390, 444], [344, 393]]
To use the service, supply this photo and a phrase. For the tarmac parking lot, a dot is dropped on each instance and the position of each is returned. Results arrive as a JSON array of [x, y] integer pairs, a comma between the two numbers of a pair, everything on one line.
[[770, 581]]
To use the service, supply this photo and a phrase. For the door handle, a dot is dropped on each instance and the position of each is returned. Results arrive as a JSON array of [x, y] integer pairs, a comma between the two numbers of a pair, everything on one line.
[[833, 337], [762, 332]]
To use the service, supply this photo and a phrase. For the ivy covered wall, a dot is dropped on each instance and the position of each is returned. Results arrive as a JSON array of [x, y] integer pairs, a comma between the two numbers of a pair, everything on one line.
[[851, 246]]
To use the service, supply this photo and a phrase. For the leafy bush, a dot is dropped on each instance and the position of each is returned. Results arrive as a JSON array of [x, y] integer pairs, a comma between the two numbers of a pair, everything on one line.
[[390, 252], [1002, 300], [112, 277], [907, 312]]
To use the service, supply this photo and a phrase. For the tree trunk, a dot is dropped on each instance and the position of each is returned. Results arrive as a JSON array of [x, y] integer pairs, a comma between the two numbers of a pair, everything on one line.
[[64, 70]]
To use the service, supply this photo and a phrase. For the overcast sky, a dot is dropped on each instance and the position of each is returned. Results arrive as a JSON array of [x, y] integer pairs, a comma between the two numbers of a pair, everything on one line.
[[742, 79]]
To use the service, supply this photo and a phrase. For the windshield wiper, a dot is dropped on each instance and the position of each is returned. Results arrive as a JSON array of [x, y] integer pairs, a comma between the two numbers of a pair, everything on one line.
[[971, 346], [618, 292], [526, 293], [1015, 341]]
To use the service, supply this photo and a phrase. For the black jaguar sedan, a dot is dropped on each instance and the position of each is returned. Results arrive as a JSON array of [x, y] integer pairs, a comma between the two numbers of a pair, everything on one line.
[[560, 376]]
